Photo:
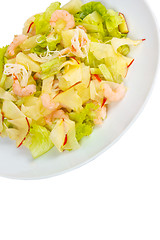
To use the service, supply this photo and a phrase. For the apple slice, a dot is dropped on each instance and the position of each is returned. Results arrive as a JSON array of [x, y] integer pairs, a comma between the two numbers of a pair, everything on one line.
[[118, 42], [11, 111], [86, 75], [58, 135], [27, 62], [70, 78], [69, 99], [104, 101], [96, 77], [30, 27], [6, 95], [70, 141], [65, 140], [20, 130], [83, 92], [28, 124], [1, 122], [130, 63], [123, 27]]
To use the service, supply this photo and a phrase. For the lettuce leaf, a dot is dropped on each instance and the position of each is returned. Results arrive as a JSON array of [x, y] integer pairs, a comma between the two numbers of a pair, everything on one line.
[[93, 23], [42, 20], [46, 43], [52, 66], [53, 7], [90, 7], [38, 141], [110, 18], [84, 120], [2, 59], [92, 61], [73, 6]]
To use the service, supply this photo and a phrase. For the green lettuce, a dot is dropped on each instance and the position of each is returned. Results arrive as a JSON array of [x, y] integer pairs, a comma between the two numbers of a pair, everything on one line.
[[42, 21], [89, 8], [52, 41], [84, 120], [38, 141], [93, 23], [44, 43], [92, 61], [110, 19], [2, 59], [52, 66]]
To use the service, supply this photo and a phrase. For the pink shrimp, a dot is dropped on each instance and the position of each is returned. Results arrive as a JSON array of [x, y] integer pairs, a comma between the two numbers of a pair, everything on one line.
[[48, 102], [63, 15], [114, 92], [16, 42], [100, 115], [59, 114], [25, 91]]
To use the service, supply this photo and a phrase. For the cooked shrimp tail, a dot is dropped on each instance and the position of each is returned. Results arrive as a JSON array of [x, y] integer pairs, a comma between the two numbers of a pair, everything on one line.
[[65, 16], [16, 42], [25, 91]]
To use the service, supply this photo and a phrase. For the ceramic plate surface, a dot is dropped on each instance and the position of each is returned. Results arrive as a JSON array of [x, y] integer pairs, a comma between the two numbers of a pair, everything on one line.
[[18, 163]]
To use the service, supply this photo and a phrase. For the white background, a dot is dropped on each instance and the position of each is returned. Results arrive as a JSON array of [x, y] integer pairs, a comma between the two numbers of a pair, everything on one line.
[[116, 196]]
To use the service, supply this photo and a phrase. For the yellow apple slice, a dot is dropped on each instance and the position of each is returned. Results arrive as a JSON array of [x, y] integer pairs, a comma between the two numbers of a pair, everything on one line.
[[58, 135], [123, 27], [11, 111], [69, 99], [118, 42]]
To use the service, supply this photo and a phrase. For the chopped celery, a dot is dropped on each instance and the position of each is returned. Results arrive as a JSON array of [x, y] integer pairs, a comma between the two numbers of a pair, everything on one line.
[[124, 50], [95, 71], [106, 73], [52, 66]]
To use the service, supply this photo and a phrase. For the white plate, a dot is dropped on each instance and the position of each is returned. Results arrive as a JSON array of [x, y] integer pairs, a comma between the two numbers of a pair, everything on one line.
[[18, 163]]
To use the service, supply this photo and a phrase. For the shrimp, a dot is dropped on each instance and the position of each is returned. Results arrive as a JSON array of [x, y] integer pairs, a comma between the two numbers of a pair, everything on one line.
[[63, 15], [80, 43], [16, 42], [114, 92], [101, 114], [25, 91], [59, 114], [48, 102]]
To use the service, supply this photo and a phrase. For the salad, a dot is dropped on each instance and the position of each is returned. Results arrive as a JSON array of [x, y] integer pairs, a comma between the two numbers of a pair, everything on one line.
[[59, 76]]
